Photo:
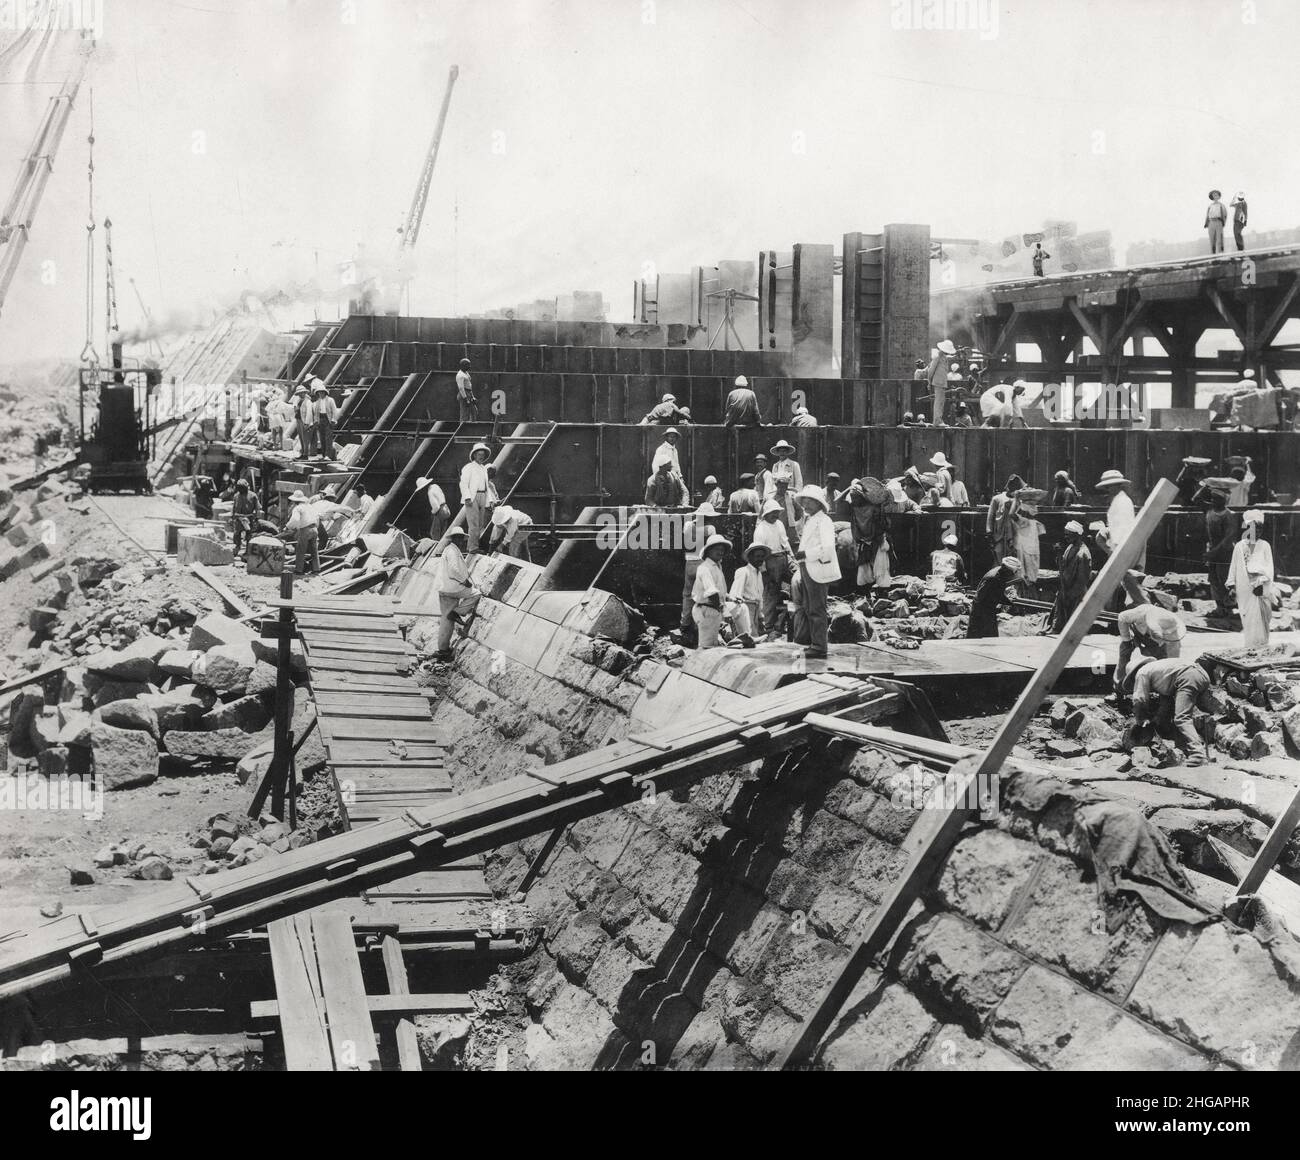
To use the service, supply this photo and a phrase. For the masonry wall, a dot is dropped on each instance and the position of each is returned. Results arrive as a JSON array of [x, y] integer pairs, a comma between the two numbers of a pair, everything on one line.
[[696, 931]]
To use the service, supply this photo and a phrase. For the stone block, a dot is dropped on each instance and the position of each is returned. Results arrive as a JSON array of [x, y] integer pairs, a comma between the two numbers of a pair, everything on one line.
[[956, 968], [265, 556], [984, 873], [215, 629], [1059, 1026], [247, 713], [224, 668], [124, 758], [130, 714], [216, 745], [136, 662], [199, 546], [890, 1034]]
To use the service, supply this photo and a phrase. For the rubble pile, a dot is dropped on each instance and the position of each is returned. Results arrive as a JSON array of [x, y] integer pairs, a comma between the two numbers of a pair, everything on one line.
[[1190, 592]]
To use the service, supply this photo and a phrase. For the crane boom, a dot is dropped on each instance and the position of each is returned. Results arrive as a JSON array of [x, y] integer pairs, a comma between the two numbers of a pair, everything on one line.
[[20, 210], [415, 215]]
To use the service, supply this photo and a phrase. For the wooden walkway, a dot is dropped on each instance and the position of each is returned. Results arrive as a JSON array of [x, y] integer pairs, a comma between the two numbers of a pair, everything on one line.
[[385, 753]]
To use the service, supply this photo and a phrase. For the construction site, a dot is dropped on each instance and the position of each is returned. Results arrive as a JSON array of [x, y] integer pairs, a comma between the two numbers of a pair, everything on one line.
[[880, 652]]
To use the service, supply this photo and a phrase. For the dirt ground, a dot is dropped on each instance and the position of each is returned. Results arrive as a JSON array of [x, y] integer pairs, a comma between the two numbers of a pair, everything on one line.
[[37, 846]]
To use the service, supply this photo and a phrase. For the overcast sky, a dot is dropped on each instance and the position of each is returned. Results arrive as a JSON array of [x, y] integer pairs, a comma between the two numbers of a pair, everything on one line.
[[240, 143]]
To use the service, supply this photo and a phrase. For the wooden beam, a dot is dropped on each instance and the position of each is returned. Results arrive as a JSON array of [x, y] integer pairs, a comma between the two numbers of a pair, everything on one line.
[[352, 1035], [1087, 326], [408, 1043], [1017, 315], [237, 604], [399, 1007], [1216, 299], [300, 1008], [937, 827], [1268, 854], [1127, 326], [1278, 318]]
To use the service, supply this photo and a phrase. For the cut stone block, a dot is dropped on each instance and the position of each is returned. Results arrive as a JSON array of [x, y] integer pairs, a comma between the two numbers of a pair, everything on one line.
[[197, 546]]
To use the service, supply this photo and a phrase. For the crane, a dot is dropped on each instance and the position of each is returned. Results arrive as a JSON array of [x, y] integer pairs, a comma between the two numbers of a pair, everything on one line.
[[20, 210], [410, 230]]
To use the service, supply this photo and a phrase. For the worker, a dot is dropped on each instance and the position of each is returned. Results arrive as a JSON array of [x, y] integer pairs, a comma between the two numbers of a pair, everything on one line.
[[906, 492], [366, 502], [667, 450], [1216, 214], [742, 406], [1243, 479], [745, 596], [304, 526], [713, 493], [832, 489], [707, 592], [474, 494], [791, 511], [1166, 691], [1064, 491], [305, 417], [245, 511], [510, 531], [1251, 576], [936, 377], [819, 568], [1222, 527], [352, 501], [990, 594], [786, 468], [1026, 534], [1148, 629], [946, 563], [465, 399], [439, 511], [943, 469], [457, 596], [918, 373], [1121, 516], [205, 492], [770, 533], [955, 377], [279, 415], [665, 411], [1038, 256], [745, 498], [327, 415], [695, 536], [330, 514], [664, 489], [1001, 406], [801, 417], [961, 416], [868, 517], [1190, 479], [1238, 206], [763, 478], [1073, 578], [999, 522]]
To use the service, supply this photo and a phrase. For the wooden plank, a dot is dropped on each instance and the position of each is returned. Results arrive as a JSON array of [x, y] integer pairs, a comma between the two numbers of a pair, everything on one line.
[[299, 1006], [386, 1007], [408, 1043], [1267, 855], [937, 828], [358, 751], [352, 1036], [335, 665], [238, 604], [361, 642], [368, 729], [355, 705]]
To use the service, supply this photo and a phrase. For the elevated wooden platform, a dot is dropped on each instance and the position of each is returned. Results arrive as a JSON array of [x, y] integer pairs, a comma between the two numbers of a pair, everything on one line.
[[385, 755]]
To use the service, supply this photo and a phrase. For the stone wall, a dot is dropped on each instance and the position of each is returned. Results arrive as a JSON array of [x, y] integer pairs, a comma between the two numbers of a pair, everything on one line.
[[695, 931]]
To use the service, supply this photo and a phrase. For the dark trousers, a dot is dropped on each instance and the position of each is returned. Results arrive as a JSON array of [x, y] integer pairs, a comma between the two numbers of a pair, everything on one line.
[[325, 435], [1219, 586], [308, 549], [1177, 713], [811, 621], [468, 409], [243, 530], [1236, 234]]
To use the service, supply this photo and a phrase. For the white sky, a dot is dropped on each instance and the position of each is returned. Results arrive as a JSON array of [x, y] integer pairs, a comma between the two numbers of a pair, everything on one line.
[[633, 131]]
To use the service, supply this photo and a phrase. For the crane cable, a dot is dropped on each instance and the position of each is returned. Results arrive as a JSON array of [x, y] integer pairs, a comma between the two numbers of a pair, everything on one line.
[[88, 352]]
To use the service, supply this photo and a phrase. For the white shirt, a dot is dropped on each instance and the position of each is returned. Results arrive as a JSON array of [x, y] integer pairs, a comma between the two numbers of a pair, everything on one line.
[[1120, 518], [1239, 492], [464, 387], [326, 408], [746, 585], [1000, 401], [455, 572], [1251, 565], [437, 497], [301, 517], [367, 502], [772, 536], [784, 469], [666, 451], [510, 520], [817, 542], [709, 582], [473, 481]]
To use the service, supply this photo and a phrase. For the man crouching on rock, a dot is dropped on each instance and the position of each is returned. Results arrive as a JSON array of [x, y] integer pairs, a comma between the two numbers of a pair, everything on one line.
[[457, 597], [1164, 694]]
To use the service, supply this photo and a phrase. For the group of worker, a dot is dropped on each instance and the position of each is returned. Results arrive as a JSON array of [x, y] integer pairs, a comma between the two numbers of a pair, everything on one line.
[[305, 417], [490, 525]]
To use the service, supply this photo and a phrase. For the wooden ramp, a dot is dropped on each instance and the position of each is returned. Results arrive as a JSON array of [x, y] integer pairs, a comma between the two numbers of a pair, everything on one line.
[[385, 753], [327, 1021]]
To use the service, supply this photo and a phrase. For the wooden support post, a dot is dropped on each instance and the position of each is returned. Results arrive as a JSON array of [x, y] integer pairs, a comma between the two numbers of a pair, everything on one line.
[[1268, 854], [408, 1043], [277, 773], [939, 825], [538, 864]]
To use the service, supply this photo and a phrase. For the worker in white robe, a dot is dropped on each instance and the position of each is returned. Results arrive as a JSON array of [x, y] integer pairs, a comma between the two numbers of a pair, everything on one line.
[[1251, 575], [474, 490], [457, 596]]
